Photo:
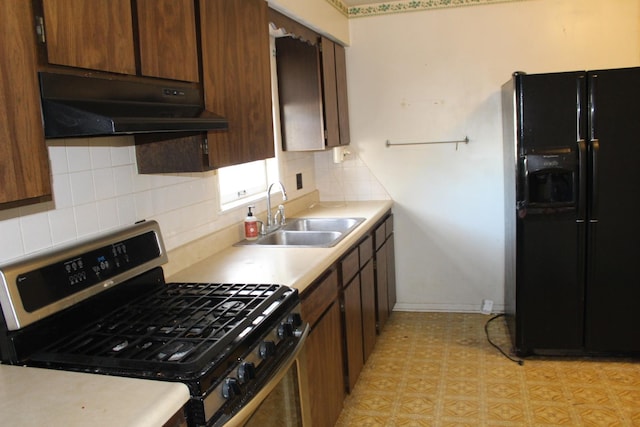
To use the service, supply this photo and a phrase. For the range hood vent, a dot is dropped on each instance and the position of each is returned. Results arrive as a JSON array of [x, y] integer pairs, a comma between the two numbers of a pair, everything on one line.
[[74, 105]]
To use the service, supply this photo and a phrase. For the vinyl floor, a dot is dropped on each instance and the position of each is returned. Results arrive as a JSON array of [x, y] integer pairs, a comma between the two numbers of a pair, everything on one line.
[[437, 369]]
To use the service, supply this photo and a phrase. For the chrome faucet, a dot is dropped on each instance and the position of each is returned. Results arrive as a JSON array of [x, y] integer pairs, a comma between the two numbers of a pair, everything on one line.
[[271, 224]]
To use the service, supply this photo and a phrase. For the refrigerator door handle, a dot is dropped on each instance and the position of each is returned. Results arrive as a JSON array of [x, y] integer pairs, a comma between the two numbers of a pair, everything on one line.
[[582, 181], [594, 147]]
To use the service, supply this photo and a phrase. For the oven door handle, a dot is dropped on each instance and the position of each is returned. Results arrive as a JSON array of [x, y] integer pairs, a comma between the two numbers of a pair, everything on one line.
[[243, 415]]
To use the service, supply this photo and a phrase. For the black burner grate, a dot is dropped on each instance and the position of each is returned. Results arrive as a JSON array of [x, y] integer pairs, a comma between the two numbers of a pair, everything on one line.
[[179, 328]]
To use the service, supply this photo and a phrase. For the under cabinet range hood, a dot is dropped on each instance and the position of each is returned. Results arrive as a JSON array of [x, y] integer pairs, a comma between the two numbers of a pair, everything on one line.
[[74, 105]]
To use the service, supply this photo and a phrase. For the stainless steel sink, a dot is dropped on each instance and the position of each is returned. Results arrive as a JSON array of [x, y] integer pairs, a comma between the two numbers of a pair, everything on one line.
[[300, 238], [323, 224], [308, 232]]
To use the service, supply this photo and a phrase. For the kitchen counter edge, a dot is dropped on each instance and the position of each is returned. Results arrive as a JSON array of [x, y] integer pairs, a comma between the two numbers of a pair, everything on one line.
[[39, 397], [295, 267]]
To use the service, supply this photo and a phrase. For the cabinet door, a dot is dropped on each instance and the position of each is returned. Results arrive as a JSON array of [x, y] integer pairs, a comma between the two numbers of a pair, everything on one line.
[[382, 285], [368, 298], [24, 166], [167, 39], [93, 34], [237, 82], [334, 80], [325, 370], [391, 273], [353, 331], [341, 89], [330, 93], [300, 95]]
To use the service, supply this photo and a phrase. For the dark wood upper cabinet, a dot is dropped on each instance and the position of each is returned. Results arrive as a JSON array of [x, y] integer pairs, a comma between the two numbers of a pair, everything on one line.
[[237, 79], [300, 95], [341, 89], [24, 165], [312, 92], [168, 40], [334, 84], [234, 39], [156, 39], [92, 34]]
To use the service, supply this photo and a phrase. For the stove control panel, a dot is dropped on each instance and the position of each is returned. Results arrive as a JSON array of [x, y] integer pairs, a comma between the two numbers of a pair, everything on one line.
[[38, 286], [51, 283]]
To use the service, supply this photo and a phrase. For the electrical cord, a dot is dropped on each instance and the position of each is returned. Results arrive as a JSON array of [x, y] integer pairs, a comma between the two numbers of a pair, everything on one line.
[[486, 331]]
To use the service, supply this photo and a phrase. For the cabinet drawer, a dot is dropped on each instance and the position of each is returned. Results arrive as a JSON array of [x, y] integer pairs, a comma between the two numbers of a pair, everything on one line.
[[319, 297], [380, 235], [366, 250], [388, 225], [349, 266]]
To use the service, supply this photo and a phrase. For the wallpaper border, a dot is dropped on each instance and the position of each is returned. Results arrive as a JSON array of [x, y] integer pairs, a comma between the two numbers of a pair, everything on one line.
[[405, 6]]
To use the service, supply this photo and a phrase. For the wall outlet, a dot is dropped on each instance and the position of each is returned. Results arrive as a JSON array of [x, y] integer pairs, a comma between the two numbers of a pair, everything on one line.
[[487, 306], [299, 181]]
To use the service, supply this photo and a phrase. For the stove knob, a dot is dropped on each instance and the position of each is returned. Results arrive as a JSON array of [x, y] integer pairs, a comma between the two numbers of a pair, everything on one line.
[[246, 372], [285, 330], [294, 319], [230, 388], [267, 349]]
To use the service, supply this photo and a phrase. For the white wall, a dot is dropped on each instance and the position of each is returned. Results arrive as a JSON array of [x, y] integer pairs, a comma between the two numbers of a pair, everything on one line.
[[97, 188], [436, 75]]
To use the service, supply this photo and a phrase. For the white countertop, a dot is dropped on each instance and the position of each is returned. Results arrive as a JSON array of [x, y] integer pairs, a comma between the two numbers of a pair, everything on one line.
[[295, 267], [46, 397]]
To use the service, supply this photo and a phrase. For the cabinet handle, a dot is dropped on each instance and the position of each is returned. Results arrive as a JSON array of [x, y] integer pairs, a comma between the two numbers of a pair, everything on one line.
[[205, 146], [40, 29]]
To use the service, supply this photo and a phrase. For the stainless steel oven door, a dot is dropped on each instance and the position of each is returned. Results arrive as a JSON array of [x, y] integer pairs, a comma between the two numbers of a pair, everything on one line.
[[283, 401]]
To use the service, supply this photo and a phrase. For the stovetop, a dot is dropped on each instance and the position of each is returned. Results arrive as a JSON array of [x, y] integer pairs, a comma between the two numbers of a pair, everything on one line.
[[174, 331]]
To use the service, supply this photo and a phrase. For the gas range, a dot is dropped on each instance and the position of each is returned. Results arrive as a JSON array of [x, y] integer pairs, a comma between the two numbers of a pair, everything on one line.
[[103, 307]]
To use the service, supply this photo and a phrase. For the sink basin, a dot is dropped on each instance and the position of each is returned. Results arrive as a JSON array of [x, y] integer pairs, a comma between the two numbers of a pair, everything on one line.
[[322, 224], [308, 232], [300, 238]]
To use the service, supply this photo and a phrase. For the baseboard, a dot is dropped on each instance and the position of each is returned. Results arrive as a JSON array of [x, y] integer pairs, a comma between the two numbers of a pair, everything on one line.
[[452, 308]]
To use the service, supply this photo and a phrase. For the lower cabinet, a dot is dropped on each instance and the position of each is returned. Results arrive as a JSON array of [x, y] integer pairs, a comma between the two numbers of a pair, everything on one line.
[[352, 308], [368, 299], [391, 273], [324, 350], [347, 307], [385, 270], [382, 285]]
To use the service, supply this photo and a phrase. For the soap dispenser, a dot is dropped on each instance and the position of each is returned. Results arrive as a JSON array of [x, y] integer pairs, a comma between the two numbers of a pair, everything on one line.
[[250, 226]]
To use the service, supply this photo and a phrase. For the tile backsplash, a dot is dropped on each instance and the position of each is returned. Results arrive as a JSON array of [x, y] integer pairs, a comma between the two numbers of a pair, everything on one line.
[[349, 180], [96, 188]]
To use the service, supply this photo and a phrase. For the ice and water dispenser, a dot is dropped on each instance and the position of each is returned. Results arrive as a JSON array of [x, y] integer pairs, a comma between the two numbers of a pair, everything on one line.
[[548, 182]]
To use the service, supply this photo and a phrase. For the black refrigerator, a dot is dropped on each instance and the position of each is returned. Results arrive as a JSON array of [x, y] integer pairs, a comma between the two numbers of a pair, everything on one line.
[[572, 211]]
